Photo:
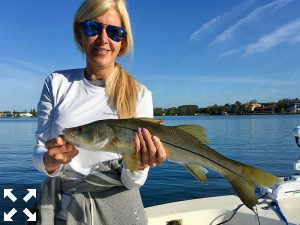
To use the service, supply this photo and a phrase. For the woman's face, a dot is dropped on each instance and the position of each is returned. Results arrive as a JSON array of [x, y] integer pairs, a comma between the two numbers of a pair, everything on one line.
[[100, 50]]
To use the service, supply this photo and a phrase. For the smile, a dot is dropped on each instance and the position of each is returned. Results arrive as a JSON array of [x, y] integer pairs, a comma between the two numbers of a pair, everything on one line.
[[101, 51]]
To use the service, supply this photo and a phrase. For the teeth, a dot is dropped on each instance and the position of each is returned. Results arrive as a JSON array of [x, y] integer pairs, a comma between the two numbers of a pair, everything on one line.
[[101, 51]]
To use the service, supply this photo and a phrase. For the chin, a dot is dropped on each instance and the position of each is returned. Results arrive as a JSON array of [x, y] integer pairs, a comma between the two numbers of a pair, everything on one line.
[[103, 63]]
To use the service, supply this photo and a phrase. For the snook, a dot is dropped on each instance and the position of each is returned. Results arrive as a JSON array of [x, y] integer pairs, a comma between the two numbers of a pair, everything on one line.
[[185, 144]]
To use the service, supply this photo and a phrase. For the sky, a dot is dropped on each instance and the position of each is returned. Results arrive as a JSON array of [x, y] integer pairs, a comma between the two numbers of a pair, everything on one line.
[[201, 52]]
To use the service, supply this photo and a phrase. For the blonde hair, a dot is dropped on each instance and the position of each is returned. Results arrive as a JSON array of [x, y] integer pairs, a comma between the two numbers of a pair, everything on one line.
[[121, 88], [122, 92]]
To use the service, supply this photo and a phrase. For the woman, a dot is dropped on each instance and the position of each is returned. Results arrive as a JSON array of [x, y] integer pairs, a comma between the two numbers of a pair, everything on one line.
[[91, 187]]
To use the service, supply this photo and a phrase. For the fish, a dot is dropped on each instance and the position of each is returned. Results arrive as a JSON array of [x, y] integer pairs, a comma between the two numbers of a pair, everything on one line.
[[184, 144]]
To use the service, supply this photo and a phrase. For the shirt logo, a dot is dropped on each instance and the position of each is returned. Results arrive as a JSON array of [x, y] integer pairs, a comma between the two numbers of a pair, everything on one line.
[[110, 114]]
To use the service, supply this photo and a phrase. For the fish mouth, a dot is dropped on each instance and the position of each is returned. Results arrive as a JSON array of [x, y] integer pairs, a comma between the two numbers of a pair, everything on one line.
[[75, 137], [69, 134]]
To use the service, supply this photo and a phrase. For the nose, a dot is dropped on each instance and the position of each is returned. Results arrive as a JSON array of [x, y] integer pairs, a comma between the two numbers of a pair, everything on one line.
[[102, 36]]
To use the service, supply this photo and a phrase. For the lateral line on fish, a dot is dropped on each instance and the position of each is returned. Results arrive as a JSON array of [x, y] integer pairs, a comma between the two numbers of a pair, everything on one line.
[[210, 160], [195, 154]]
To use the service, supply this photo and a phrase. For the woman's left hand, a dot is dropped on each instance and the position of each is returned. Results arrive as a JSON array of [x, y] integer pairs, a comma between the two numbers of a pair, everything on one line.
[[149, 149]]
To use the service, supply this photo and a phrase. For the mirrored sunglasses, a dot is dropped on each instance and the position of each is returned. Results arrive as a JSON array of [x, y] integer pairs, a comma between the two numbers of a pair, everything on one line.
[[92, 28]]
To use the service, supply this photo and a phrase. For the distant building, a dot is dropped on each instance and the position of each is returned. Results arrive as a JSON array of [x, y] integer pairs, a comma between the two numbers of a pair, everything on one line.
[[294, 108], [265, 109], [254, 105], [7, 114], [26, 115]]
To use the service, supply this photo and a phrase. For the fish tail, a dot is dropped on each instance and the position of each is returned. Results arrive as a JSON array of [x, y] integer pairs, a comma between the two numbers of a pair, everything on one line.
[[244, 179]]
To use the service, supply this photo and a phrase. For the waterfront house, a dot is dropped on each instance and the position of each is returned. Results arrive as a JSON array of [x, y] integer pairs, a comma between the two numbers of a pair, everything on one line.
[[254, 105], [294, 108], [7, 114], [265, 109], [23, 114]]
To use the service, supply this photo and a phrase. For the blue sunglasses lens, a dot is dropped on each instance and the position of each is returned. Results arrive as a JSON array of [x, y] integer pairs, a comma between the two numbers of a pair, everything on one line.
[[115, 33], [92, 28]]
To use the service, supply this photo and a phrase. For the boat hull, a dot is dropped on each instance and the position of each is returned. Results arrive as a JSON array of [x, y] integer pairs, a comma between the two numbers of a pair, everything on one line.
[[215, 210]]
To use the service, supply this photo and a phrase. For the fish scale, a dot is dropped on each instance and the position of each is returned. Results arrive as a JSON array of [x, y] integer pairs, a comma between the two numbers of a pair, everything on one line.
[[168, 134]]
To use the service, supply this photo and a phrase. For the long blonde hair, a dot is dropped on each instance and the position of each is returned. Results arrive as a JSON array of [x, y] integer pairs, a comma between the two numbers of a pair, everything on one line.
[[121, 88]]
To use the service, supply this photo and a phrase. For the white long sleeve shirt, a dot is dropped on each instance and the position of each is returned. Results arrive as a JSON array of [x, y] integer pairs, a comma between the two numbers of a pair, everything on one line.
[[69, 100]]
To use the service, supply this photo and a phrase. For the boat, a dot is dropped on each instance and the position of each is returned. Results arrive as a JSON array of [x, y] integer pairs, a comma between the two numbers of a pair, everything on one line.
[[277, 205]]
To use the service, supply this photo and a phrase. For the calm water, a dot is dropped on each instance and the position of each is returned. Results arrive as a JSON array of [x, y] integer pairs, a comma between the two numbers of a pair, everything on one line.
[[265, 142]]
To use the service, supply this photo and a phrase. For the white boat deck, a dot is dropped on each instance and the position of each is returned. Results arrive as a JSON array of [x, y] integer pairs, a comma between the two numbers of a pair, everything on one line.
[[214, 210]]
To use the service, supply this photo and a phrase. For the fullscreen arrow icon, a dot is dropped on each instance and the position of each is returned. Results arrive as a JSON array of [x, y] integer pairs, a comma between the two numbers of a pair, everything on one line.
[[31, 192], [8, 216], [7, 193], [31, 217]]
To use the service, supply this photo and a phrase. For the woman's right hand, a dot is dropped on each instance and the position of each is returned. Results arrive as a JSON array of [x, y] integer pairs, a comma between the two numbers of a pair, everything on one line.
[[59, 152]]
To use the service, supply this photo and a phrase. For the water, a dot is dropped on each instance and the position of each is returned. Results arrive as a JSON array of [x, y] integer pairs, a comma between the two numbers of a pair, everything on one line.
[[265, 142]]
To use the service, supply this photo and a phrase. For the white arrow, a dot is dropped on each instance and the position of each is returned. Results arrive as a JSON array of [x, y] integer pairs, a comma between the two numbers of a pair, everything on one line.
[[8, 216], [31, 217], [7, 192], [31, 192]]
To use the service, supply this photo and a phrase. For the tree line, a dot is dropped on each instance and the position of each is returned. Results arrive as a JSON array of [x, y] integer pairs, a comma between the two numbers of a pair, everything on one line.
[[238, 108]]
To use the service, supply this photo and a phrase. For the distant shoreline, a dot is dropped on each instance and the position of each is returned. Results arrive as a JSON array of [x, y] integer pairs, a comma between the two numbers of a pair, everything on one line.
[[257, 114], [198, 115], [246, 114], [18, 117]]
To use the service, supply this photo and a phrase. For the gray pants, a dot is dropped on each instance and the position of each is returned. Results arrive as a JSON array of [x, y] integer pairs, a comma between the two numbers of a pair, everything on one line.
[[58, 221], [99, 200]]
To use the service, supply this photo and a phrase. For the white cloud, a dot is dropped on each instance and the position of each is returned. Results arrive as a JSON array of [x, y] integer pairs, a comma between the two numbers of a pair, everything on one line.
[[287, 33], [213, 22], [205, 26], [274, 6], [228, 53]]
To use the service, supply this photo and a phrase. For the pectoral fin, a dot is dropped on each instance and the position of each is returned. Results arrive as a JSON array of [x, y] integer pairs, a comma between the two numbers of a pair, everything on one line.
[[198, 171], [131, 162], [196, 131]]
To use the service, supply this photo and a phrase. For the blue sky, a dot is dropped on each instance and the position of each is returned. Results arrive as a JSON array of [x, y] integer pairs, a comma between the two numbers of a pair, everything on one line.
[[201, 52]]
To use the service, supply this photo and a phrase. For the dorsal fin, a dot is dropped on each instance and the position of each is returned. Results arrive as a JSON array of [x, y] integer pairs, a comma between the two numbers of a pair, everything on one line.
[[196, 131], [151, 120]]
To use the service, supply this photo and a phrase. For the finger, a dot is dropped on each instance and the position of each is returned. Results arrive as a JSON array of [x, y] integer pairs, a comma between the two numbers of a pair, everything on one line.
[[150, 147], [69, 147], [161, 154], [55, 142], [142, 167], [144, 152], [137, 146], [71, 154], [58, 157], [138, 151], [74, 152], [61, 149], [65, 158]]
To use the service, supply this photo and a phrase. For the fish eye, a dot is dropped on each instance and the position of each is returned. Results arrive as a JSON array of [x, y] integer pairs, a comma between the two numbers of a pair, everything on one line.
[[80, 128]]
